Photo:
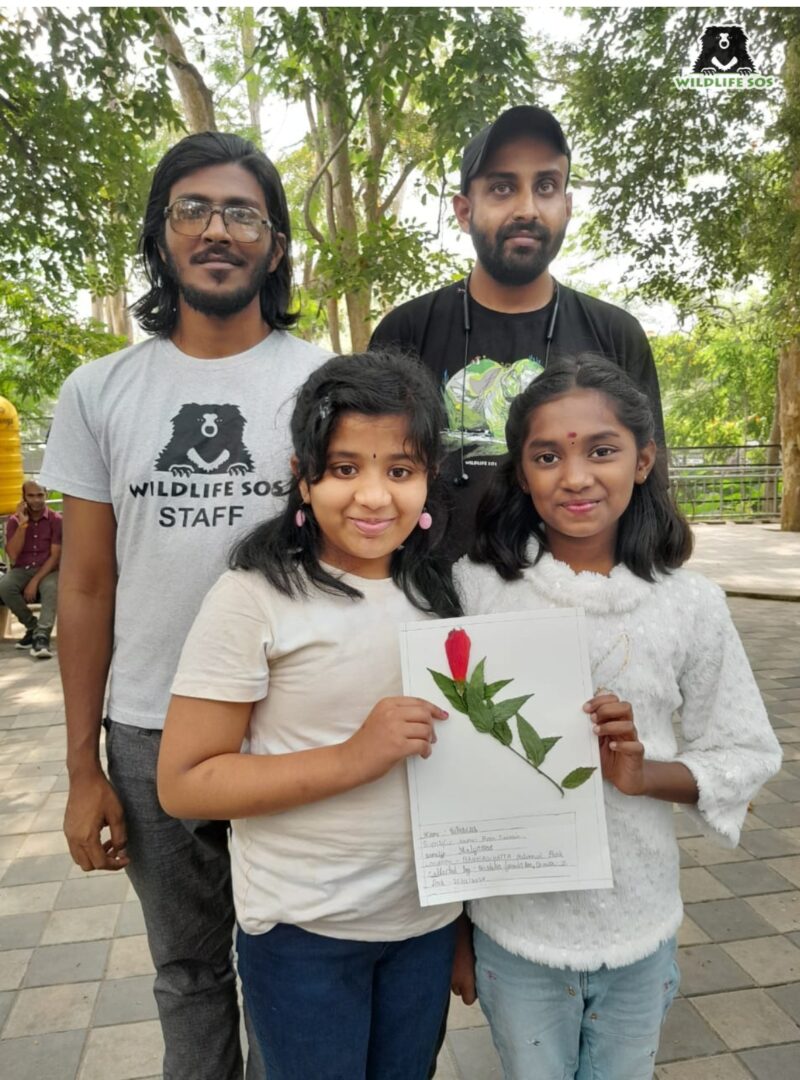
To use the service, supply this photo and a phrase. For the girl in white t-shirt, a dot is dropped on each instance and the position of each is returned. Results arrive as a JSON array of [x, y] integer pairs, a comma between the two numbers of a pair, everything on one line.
[[287, 717], [576, 984]]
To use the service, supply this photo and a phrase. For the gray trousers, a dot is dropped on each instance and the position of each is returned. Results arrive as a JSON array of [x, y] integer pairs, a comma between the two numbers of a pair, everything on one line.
[[181, 873], [11, 585]]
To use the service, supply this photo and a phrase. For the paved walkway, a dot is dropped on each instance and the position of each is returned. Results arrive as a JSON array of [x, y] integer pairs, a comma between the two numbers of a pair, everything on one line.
[[75, 973]]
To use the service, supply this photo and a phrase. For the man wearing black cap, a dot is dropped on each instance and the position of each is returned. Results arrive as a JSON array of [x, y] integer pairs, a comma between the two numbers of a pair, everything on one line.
[[485, 338]]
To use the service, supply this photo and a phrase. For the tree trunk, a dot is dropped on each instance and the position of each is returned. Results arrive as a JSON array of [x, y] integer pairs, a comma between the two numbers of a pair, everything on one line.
[[117, 315], [251, 78], [198, 104], [789, 390], [773, 457]]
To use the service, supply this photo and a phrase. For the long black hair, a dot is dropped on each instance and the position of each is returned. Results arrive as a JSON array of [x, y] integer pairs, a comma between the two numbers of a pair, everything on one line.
[[652, 535], [157, 310], [382, 382]]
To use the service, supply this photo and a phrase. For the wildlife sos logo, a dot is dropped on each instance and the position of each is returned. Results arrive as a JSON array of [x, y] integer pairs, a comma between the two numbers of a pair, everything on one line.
[[206, 439], [723, 62], [207, 470]]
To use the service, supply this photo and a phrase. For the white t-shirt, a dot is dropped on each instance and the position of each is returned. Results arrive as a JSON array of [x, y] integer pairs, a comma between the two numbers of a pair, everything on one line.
[[190, 453], [315, 666]]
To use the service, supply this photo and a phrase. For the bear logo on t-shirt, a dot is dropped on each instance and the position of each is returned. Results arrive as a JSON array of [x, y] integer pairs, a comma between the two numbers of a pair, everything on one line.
[[206, 439], [723, 51]]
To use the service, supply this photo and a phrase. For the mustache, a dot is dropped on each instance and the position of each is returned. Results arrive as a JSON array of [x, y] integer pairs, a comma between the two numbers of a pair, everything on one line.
[[531, 228], [216, 254]]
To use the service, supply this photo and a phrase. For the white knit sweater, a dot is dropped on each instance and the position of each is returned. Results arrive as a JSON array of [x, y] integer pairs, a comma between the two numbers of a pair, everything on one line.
[[664, 647]]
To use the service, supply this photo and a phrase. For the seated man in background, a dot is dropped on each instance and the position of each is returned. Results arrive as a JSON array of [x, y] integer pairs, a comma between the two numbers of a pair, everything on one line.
[[33, 548]]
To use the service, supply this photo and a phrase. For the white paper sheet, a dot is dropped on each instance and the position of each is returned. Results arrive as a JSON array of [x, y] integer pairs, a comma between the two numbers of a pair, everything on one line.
[[485, 823]]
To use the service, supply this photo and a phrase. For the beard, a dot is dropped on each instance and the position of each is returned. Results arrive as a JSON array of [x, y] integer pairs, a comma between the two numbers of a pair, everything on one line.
[[222, 305], [521, 266]]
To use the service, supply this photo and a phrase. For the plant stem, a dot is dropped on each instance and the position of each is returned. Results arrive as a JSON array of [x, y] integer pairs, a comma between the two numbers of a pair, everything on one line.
[[541, 772]]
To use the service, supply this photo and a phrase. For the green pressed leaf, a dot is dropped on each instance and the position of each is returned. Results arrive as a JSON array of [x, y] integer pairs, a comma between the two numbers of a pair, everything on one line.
[[448, 688], [493, 688], [478, 711], [476, 679], [502, 732], [504, 710], [531, 742], [577, 777], [549, 742]]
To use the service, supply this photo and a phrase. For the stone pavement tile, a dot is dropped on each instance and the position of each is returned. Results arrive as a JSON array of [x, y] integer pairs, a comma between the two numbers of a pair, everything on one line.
[[706, 969], [90, 891], [464, 1016], [788, 997], [788, 735], [22, 931], [689, 933], [769, 960], [782, 910], [750, 878], [765, 796], [685, 1034], [774, 1062], [788, 868], [791, 757], [697, 884], [685, 859], [446, 1068], [729, 920], [13, 963], [745, 1018], [793, 834], [23, 784], [122, 1001], [62, 781], [788, 789], [42, 1057], [51, 1008], [36, 869], [780, 815], [6, 1001], [31, 801], [17, 899], [708, 853], [722, 1067], [76, 871], [82, 961], [45, 843], [475, 1055], [47, 821], [83, 924], [41, 768], [14, 824], [685, 824], [9, 846], [123, 1051], [770, 843], [129, 956], [130, 921]]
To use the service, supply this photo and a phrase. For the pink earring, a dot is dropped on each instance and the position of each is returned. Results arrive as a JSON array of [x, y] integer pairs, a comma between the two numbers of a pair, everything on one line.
[[300, 517], [425, 520]]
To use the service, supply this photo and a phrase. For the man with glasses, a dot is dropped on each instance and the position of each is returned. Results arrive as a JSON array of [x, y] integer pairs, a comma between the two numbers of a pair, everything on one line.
[[165, 452]]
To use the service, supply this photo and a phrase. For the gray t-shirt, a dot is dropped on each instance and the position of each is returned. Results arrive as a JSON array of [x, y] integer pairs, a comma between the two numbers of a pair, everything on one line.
[[191, 454]]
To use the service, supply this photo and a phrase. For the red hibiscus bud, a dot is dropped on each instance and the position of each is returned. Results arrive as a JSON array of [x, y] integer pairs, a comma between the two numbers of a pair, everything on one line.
[[457, 648]]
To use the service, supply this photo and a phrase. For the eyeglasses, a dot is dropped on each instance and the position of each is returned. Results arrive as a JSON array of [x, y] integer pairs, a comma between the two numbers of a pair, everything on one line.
[[191, 217]]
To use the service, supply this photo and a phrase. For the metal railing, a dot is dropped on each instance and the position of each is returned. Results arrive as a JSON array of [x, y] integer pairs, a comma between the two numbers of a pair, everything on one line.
[[727, 483]]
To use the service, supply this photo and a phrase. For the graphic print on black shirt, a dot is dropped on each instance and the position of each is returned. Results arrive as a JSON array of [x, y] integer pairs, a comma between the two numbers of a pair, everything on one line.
[[206, 439]]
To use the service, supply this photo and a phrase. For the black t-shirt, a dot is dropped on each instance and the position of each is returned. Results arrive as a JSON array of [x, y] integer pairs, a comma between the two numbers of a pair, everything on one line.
[[503, 354]]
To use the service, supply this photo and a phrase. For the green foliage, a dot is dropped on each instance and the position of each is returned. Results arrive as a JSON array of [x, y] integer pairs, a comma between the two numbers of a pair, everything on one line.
[[718, 381], [40, 345], [76, 108], [692, 184]]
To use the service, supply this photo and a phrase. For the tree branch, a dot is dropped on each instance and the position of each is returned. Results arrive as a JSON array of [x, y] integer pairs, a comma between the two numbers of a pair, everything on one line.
[[408, 168]]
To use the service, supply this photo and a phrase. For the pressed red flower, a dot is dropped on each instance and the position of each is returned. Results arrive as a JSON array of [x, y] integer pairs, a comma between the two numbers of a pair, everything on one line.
[[457, 648]]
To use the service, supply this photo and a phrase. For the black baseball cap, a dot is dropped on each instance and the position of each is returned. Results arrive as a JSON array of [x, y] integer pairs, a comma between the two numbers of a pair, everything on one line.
[[521, 120]]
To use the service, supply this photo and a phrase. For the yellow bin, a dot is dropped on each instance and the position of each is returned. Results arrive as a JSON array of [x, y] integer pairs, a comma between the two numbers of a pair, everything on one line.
[[11, 474]]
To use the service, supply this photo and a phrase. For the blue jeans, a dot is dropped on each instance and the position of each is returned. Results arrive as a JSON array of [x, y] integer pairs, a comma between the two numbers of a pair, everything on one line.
[[181, 873], [329, 1009], [558, 1024]]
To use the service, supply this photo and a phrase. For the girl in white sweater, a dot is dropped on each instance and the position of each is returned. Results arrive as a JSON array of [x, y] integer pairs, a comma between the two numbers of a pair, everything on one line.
[[576, 984]]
